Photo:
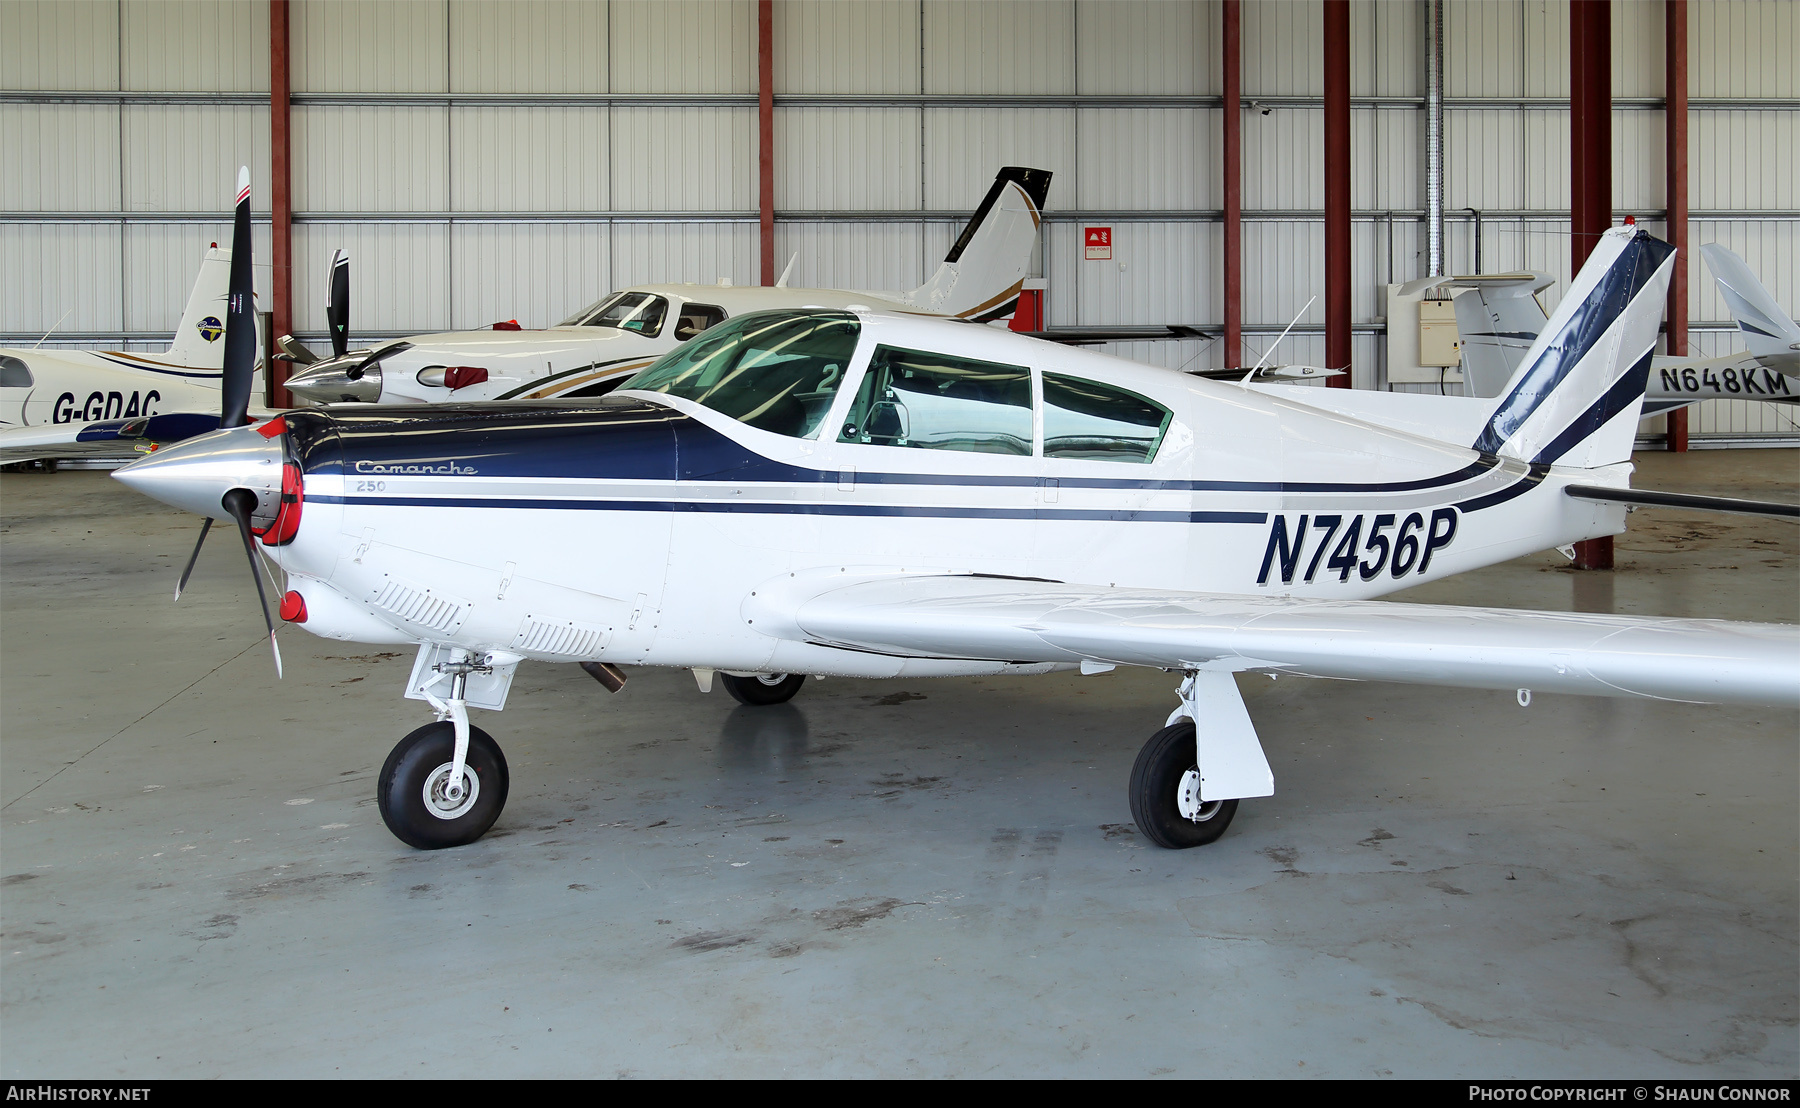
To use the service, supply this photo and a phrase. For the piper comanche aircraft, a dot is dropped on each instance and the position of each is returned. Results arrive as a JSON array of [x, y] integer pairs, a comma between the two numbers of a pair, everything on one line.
[[1499, 319], [874, 494], [85, 403], [595, 349]]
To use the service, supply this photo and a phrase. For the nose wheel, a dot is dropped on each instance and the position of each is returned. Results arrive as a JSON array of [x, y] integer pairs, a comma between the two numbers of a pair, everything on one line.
[[423, 806], [1165, 792]]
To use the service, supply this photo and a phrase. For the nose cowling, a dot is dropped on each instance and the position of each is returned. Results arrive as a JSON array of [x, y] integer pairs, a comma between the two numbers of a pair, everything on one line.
[[355, 377], [194, 475]]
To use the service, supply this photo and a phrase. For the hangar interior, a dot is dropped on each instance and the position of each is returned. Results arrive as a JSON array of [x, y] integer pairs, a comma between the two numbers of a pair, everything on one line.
[[854, 884]]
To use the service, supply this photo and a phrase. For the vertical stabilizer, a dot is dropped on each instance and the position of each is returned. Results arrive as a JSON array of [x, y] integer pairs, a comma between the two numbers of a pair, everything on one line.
[[981, 276], [1575, 399], [1497, 320], [200, 339], [1769, 332]]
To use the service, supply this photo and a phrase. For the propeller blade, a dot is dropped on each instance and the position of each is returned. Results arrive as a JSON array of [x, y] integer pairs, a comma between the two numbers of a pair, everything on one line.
[[337, 304], [296, 350], [240, 318], [241, 503], [205, 526]]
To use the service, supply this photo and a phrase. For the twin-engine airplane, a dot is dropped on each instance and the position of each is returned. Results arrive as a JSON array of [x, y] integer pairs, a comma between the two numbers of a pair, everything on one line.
[[595, 349], [1499, 319], [876, 494], [81, 403]]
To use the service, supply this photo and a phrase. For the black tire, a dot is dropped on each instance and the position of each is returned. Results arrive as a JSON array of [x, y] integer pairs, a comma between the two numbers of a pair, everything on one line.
[[764, 688], [410, 768], [1155, 784]]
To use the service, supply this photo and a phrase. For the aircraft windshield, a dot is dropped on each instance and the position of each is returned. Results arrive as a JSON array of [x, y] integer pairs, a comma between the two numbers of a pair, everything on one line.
[[628, 311], [777, 371]]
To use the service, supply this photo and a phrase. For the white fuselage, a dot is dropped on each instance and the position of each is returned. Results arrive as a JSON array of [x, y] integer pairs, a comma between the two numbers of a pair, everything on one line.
[[81, 386]]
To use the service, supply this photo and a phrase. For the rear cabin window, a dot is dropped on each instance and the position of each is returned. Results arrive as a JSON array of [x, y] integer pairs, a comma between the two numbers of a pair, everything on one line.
[[929, 401], [14, 373], [696, 318], [776, 371], [1088, 420]]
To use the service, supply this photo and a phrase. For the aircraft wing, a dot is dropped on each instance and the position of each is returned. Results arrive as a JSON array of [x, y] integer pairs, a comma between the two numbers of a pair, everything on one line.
[[109, 438], [1090, 336], [1010, 619]]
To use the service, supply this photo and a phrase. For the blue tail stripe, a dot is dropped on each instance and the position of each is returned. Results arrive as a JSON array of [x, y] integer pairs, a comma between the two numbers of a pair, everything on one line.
[[1629, 274], [1623, 392]]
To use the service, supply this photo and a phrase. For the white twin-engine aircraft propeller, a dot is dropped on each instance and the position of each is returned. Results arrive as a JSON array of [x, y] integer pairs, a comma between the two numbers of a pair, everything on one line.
[[877, 494]]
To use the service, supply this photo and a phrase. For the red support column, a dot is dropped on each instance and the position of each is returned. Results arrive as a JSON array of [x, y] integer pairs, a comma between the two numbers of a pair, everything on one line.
[[1590, 161], [1232, 182], [1337, 189], [765, 125], [1675, 113], [281, 195]]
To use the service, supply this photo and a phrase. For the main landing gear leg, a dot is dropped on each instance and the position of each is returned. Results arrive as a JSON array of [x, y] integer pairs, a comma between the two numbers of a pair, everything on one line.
[[1188, 778], [445, 784]]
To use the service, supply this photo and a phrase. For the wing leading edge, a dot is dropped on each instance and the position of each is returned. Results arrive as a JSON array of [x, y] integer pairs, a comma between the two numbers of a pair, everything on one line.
[[969, 616]]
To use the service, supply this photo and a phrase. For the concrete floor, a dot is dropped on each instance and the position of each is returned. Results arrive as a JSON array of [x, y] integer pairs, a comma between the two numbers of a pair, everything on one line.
[[933, 878]]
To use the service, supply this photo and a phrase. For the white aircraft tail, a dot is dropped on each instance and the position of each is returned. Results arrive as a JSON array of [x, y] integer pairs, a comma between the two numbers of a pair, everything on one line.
[[1769, 332], [1575, 400], [981, 276], [200, 339], [1497, 321]]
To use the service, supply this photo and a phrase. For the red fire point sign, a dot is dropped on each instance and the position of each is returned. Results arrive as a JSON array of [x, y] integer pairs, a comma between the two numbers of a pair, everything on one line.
[[1099, 243]]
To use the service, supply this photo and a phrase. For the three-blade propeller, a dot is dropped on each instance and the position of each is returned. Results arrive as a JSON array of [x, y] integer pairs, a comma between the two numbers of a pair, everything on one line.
[[337, 316], [235, 386]]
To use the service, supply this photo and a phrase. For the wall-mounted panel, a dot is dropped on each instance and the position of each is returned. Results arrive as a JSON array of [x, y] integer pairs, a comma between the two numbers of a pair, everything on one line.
[[373, 46], [1020, 47], [59, 157], [62, 275], [661, 253], [1284, 159], [827, 46], [847, 159], [537, 159], [693, 46], [371, 159], [54, 44], [1744, 48], [528, 46], [185, 158], [401, 269], [1160, 158], [1484, 51], [1283, 49], [537, 273], [965, 147], [879, 257], [684, 159], [1744, 159], [196, 45], [1148, 46]]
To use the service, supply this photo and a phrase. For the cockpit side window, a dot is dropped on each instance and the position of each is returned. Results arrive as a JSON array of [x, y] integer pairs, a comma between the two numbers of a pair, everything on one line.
[[639, 312], [932, 401], [696, 318], [777, 371], [1089, 420], [14, 373]]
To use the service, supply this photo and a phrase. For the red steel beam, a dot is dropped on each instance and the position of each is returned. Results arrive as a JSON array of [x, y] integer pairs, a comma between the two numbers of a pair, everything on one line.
[[1232, 174], [1590, 163], [281, 195], [765, 124], [1675, 115], [1337, 189]]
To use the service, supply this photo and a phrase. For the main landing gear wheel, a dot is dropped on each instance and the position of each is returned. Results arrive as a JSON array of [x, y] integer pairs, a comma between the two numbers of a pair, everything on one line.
[[1165, 792], [413, 790], [764, 688]]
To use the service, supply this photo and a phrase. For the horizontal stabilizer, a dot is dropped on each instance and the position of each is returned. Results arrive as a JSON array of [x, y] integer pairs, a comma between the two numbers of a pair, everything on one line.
[[1653, 499]]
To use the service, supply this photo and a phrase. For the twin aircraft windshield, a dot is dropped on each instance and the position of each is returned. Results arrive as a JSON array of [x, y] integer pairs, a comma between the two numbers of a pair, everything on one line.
[[628, 311]]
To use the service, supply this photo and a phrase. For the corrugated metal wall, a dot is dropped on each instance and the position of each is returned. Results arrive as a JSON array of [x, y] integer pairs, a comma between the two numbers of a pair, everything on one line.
[[489, 161]]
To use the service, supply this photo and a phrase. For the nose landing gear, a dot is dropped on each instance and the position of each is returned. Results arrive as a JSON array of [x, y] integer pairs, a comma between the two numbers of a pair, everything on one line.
[[423, 806]]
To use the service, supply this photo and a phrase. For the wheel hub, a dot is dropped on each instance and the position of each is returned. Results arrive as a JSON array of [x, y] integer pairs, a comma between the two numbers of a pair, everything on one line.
[[1187, 799], [442, 801], [771, 679]]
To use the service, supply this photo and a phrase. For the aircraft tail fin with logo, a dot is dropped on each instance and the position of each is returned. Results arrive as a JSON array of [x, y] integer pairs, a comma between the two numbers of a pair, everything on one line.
[[1576, 396], [981, 276], [1769, 332], [200, 339]]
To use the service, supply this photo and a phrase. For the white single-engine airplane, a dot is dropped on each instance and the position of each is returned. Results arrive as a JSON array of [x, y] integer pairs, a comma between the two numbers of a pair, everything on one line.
[[873, 494], [87, 403], [595, 349], [1499, 320]]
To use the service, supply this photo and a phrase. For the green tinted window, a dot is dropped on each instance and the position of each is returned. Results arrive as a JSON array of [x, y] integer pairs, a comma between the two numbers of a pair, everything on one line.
[[1085, 419], [776, 371], [939, 402]]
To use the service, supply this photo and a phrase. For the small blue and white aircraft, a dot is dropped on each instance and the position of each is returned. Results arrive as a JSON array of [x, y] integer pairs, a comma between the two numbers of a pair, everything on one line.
[[76, 403], [874, 494]]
